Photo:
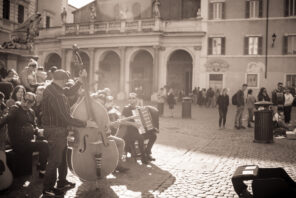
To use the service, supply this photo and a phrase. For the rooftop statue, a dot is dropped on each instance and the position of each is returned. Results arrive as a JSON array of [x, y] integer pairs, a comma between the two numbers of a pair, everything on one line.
[[156, 12], [93, 13], [64, 16], [23, 36]]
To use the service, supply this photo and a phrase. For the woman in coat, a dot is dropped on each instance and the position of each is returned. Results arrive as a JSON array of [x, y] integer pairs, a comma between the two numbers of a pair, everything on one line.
[[171, 101], [223, 102]]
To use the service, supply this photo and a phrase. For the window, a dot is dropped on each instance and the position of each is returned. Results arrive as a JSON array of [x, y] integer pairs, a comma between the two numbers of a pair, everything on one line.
[[252, 80], [190, 8], [253, 45], [254, 8], [216, 81], [291, 80], [216, 10], [289, 44], [6, 9], [47, 23], [290, 7], [21, 13], [216, 46]]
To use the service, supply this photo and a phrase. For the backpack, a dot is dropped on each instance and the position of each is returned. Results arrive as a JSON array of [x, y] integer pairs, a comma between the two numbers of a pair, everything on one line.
[[234, 99]]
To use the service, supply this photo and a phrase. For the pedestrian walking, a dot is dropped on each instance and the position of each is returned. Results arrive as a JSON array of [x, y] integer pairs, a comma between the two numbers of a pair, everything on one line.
[[223, 102], [171, 101], [288, 105], [250, 102], [262, 95], [240, 105], [161, 97]]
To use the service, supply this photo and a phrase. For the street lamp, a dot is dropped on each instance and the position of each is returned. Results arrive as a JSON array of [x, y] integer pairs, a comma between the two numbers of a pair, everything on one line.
[[273, 39]]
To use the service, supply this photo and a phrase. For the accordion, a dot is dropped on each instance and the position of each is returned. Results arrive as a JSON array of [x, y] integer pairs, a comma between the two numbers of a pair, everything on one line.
[[144, 119]]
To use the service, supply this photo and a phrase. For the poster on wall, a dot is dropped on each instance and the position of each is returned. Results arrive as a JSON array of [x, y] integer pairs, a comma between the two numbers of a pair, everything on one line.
[[252, 80]]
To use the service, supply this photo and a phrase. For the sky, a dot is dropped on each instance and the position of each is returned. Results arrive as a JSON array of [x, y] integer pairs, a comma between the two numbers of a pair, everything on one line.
[[79, 3]]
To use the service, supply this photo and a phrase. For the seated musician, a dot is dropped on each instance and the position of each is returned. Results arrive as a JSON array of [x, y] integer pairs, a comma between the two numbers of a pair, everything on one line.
[[132, 134], [22, 127], [118, 141], [113, 113]]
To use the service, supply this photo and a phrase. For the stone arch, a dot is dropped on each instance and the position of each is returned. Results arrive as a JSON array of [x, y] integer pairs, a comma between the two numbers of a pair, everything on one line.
[[109, 71], [86, 63], [141, 72], [52, 59], [180, 70]]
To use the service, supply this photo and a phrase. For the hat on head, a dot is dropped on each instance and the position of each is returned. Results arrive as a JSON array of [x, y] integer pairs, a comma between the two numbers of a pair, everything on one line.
[[52, 69], [60, 74]]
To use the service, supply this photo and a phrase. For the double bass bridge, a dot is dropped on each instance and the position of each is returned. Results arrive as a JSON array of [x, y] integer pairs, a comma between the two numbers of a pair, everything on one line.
[[98, 159]]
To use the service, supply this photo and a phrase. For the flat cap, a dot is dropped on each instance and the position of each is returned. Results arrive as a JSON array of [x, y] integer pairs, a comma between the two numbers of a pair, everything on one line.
[[60, 74]]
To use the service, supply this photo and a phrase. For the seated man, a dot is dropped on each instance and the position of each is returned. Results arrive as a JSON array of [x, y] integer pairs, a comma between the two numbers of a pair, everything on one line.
[[22, 127], [118, 141], [131, 134]]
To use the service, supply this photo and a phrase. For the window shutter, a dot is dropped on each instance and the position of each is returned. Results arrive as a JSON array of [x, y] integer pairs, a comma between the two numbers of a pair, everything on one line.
[[223, 45], [210, 44], [210, 11], [246, 45], [260, 8], [286, 7], [247, 9], [260, 47], [223, 10], [285, 45]]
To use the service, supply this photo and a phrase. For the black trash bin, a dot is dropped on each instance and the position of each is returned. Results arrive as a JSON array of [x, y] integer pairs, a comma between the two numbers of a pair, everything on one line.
[[263, 130], [186, 107]]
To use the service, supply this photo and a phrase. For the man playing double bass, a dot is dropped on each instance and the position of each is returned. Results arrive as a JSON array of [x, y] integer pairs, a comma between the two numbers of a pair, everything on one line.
[[55, 120]]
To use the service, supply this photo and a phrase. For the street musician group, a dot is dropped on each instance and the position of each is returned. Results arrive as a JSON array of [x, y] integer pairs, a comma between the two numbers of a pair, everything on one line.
[[84, 132]]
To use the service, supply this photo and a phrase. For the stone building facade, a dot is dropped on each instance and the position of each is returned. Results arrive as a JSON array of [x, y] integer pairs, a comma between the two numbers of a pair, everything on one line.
[[179, 43]]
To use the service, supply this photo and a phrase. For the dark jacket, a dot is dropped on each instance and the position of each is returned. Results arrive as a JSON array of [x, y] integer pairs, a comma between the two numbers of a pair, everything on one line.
[[278, 97], [171, 99], [21, 125], [223, 102], [262, 97], [240, 98]]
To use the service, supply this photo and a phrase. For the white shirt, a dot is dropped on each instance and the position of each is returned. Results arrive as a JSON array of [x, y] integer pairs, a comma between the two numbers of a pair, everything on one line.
[[288, 99]]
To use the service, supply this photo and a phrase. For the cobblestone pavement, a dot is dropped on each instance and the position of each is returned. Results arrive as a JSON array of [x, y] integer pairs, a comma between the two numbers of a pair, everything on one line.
[[193, 159]]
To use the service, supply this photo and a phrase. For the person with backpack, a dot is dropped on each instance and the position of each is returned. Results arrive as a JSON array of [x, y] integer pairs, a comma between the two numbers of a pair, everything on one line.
[[239, 100]]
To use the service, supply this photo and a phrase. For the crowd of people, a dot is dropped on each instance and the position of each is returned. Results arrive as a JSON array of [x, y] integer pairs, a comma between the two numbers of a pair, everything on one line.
[[282, 99], [36, 108]]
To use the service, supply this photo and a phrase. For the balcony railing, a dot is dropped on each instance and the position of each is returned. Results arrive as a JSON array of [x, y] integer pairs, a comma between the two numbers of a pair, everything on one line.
[[147, 25]]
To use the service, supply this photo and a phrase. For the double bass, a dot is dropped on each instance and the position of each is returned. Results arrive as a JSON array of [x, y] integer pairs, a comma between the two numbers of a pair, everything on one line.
[[92, 155]]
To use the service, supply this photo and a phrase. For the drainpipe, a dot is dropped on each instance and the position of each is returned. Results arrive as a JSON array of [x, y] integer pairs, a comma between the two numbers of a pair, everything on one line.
[[266, 38]]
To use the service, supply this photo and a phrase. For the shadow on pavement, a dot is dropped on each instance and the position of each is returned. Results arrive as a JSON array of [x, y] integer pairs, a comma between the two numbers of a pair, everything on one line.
[[139, 181]]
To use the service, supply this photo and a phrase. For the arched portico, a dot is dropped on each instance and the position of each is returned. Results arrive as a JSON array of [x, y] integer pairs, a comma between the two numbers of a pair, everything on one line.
[[179, 70], [52, 59], [141, 72], [109, 71], [86, 61]]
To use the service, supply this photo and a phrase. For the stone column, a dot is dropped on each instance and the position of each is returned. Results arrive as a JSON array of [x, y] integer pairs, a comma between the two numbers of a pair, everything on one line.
[[121, 94], [156, 69], [64, 58]]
